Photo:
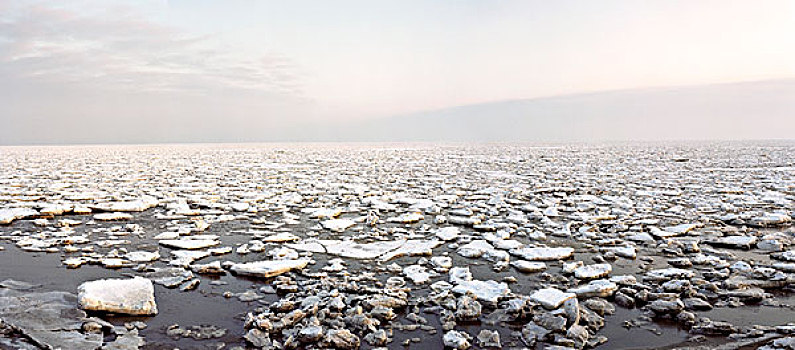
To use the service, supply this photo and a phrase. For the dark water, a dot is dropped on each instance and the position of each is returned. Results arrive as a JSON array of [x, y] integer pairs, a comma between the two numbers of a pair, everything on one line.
[[207, 306]]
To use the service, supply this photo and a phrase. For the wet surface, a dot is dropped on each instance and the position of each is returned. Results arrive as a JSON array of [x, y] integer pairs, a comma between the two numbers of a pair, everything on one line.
[[591, 198]]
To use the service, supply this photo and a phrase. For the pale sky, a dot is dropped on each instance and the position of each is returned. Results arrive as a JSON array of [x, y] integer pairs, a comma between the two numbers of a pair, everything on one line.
[[210, 68]]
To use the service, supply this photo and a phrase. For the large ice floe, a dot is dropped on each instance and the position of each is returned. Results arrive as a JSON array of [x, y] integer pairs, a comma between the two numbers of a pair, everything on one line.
[[8, 215], [135, 296], [51, 320]]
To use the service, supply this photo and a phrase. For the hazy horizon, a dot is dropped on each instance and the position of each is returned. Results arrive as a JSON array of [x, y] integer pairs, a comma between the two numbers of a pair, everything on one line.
[[194, 71]]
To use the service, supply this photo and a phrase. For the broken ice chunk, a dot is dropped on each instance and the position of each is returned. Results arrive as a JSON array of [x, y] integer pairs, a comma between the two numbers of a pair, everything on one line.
[[240, 206], [167, 235], [543, 254], [281, 237], [592, 271], [74, 263], [385, 250], [322, 213], [136, 205], [9, 215], [412, 247], [55, 209], [528, 266], [770, 219], [669, 273], [348, 249], [142, 256], [337, 225], [551, 298], [741, 242], [475, 249], [112, 216], [486, 291], [683, 228], [627, 252], [189, 243], [407, 218], [447, 233], [170, 277], [785, 256], [183, 258], [462, 220], [442, 262], [213, 268], [596, 288], [417, 274], [134, 296], [268, 268]]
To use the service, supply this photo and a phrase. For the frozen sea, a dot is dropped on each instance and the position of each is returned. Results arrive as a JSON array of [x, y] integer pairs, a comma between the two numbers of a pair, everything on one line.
[[405, 245]]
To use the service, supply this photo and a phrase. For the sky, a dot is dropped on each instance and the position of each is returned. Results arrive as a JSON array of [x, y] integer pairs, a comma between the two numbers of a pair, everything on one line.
[[195, 70]]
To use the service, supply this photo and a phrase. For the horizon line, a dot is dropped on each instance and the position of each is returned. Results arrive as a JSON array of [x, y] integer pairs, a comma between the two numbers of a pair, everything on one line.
[[443, 142]]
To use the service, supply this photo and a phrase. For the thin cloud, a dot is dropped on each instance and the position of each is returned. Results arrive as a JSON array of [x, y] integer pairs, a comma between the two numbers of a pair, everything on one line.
[[120, 49]]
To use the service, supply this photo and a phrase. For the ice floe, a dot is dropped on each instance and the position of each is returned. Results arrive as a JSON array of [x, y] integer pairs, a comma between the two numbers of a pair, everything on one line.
[[268, 268], [135, 296]]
